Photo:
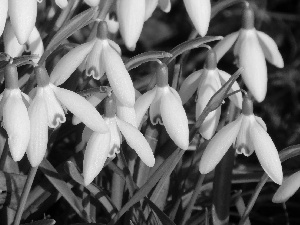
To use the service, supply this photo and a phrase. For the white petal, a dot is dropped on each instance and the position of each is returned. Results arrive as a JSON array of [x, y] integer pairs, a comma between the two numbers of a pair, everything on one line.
[[243, 142], [118, 77], [218, 146], [266, 152], [61, 3], [199, 12], [136, 140], [16, 123], [95, 156], [126, 114], [94, 63], [189, 86], [55, 113], [237, 98], [252, 59], [11, 44], [73, 59], [23, 16], [165, 5], [86, 135], [287, 189], [224, 45], [115, 137], [95, 99], [38, 129], [175, 120], [92, 3], [3, 14], [35, 43], [80, 107], [261, 122], [210, 124], [154, 111], [270, 49], [142, 104], [131, 14], [115, 46], [112, 24], [150, 6]]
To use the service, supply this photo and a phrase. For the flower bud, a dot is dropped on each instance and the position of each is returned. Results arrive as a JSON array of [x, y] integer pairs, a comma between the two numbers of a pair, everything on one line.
[[11, 77]]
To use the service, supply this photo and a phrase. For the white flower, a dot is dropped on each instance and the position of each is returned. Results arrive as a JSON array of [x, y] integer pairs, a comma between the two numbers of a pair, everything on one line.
[[164, 5], [46, 110], [165, 108], [248, 133], [34, 44], [251, 48], [15, 116], [288, 188], [100, 146], [22, 15], [208, 81], [199, 12], [63, 3], [101, 56]]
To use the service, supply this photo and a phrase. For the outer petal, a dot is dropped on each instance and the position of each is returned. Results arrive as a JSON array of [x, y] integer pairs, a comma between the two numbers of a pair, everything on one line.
[[165, 5], [23, 16], [118, 77], [92, 3], [189, 86], [266, 152], [3, 14], [55, 113], [35, 44], [62, 3], [126, 114], [80, 107], [224, 45], [287, 189], [175, 120], [136, 140], [38, 129], [11, 44], [94, 63], [73, 59], [237, 98], [150, 6], [252, 59], [142, 104], [95, 156], [261, 122], [199, 12], [270, 49], [218, 146], [16, 123], [131, 14], [112, 23]]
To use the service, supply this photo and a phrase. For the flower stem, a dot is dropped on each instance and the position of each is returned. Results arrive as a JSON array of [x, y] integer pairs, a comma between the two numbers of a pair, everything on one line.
[[24, 196]]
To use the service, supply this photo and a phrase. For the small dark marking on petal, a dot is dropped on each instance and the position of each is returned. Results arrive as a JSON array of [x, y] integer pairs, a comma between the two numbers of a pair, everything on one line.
[[58, 118], [157, 120], [92, 71], [114, 151]]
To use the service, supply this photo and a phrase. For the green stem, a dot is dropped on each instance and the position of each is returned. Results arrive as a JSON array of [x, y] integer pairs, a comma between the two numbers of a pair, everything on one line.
[[4, 156], [24, 196], [191, 204]]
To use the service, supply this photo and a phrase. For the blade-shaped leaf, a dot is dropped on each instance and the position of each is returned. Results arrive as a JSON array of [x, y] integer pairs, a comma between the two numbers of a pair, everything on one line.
[[41, 222]]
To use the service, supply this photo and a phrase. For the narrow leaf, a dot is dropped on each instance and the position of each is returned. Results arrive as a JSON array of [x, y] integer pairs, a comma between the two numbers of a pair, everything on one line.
[[41, 222]]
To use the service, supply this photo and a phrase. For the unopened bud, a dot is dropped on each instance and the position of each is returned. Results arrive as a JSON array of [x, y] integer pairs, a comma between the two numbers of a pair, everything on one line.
[[11, 77]]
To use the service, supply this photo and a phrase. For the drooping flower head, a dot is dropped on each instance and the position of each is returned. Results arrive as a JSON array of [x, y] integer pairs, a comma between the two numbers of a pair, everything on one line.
[[251, 48], [100, 55], [15, 116], [208, 81], [103, 145], [46, 111], [165, 108], [63, 3], [248, 134], [199, 12]]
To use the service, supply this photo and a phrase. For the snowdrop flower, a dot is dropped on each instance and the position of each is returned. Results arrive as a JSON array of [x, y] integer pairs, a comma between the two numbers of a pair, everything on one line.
[[46, 110], [132, 14], [251, 48], [15, 116], [64, 3], [103, 145], [22, 15], [34, 44], [248, 133], [164, 5], [287, 189], [165, 108], [208, 81], [100, 55], [199, 12]]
